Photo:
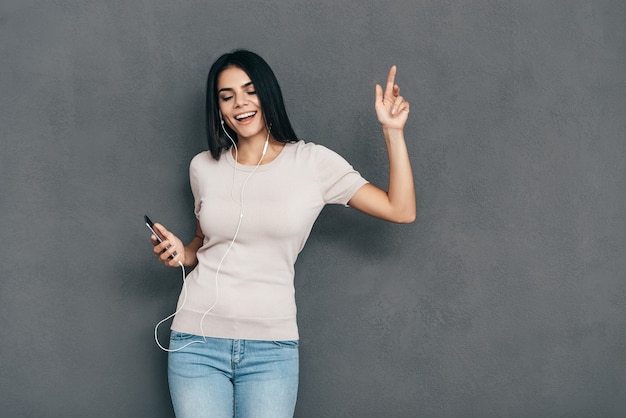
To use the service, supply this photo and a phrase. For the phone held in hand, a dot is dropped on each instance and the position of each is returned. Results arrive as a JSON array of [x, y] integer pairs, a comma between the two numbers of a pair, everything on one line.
[[150, 226]]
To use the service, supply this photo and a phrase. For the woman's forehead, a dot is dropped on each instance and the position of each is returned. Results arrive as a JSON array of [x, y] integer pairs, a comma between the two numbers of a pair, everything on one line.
[[232, 78]]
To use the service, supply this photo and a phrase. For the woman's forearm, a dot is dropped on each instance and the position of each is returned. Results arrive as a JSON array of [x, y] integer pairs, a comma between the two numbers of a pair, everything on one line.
[[191, 251], [401, 191]]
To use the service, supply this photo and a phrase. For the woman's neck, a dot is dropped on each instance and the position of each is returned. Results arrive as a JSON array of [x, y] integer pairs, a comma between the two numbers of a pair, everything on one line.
[[250, 150]]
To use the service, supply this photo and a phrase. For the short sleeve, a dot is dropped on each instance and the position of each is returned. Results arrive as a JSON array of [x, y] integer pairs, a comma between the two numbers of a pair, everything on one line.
[[195, 186], [338, 179]]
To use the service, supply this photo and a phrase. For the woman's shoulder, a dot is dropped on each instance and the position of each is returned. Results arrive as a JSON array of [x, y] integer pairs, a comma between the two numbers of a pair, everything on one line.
[[317, 157], [204, 158], [203, 164], [312, 149], [200, 156]]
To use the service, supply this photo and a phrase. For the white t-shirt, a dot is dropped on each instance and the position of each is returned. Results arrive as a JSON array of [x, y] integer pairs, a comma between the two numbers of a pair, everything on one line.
[[253, 291]]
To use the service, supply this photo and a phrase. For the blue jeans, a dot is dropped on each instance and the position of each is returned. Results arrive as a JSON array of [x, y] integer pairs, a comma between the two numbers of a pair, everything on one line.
[[225, 378]]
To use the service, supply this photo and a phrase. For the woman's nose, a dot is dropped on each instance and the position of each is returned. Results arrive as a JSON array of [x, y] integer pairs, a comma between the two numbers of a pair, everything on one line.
[[240, 100]]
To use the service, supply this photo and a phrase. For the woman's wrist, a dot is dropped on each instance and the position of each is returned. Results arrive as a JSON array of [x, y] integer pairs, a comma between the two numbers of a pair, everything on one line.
[[190, 258], [191, 250], [393, 133]]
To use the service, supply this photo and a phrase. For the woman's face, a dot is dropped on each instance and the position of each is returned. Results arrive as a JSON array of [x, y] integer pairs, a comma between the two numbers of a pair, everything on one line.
[[240, 104]]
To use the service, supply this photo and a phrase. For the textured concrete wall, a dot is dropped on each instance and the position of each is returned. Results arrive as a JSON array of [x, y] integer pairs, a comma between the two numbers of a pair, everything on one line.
[[505, 298]]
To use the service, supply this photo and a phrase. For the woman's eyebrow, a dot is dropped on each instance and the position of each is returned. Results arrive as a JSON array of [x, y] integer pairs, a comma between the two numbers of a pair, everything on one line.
[[246, 85]]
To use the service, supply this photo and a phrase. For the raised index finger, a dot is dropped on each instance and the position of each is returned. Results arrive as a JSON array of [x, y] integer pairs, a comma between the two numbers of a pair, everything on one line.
[[390, 80]]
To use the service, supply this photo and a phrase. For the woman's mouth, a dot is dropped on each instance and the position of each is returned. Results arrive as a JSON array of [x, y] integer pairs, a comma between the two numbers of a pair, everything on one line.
[[245, 116]]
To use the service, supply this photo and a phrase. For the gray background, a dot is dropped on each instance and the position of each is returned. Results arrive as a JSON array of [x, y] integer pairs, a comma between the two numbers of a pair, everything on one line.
[[505, 298]]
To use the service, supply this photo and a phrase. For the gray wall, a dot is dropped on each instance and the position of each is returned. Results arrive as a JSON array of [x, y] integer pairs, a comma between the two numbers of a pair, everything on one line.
[[505, 298]]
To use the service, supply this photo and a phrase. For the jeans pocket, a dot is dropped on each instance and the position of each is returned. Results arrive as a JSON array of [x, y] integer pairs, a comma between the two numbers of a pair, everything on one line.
[[287, 343], [180, 336]]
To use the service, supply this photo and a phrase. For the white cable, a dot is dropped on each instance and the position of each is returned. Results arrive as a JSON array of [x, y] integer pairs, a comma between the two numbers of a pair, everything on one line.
[[241, 212], [156, 328], [219, 267]]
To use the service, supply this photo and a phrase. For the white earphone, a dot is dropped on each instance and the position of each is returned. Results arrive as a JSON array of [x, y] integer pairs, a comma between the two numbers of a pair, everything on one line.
[[219, 267]]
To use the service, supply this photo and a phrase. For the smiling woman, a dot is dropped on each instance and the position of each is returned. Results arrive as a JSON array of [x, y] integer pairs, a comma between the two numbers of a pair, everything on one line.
[[242, 112], [258, 191], [240, 75]]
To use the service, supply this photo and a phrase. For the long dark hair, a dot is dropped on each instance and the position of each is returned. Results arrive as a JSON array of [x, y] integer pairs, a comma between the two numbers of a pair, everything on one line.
[[267, 89]]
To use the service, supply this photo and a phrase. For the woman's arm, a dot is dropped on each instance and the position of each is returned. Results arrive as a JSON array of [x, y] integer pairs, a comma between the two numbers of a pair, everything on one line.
[[168, 248], [398, 203]]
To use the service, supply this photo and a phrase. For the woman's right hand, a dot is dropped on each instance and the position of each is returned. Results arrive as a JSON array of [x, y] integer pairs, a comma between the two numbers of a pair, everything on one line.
[[171, 251]]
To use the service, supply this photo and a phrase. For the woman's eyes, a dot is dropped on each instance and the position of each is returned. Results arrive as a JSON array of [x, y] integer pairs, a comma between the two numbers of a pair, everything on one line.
[[227, 98]]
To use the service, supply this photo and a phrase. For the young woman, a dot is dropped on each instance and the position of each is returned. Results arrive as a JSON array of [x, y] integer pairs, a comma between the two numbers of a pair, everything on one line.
[[258, 190]]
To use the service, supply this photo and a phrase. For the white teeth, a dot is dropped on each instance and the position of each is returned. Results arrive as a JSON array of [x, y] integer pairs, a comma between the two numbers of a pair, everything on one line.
[[245, 115]]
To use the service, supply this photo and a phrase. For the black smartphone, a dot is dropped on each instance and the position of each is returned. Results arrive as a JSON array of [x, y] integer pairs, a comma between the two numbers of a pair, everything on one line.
[[150, 226]]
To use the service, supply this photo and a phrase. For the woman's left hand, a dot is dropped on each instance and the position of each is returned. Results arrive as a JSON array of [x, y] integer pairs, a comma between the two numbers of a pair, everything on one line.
[[391, 108]]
